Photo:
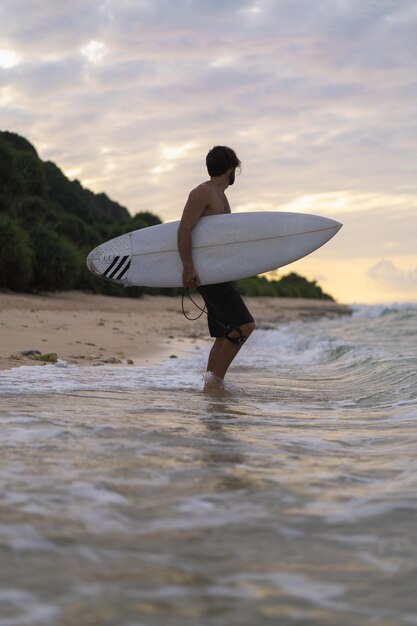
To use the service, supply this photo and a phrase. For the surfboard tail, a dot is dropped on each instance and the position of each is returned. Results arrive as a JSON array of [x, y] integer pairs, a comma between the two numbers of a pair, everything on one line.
[[112, 260], [115, 270]]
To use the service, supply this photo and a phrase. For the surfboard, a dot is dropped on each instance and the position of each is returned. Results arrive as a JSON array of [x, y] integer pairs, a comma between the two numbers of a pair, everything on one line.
[[225, 248]]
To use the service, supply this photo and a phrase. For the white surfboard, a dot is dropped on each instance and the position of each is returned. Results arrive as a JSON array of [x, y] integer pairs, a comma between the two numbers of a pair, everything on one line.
[[225, 247]]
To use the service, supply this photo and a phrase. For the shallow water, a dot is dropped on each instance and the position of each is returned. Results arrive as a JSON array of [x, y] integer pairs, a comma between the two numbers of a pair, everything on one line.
[[130, 499]]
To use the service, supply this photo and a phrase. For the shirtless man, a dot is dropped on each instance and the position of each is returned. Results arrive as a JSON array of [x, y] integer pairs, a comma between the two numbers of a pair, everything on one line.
[[229, 320]]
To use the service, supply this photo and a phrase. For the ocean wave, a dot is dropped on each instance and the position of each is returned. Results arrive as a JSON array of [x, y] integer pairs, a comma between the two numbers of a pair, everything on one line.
[[374, 311], [374, 356]]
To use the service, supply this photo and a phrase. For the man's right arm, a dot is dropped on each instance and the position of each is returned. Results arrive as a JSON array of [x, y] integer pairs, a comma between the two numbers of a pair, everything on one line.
[[193, 210]]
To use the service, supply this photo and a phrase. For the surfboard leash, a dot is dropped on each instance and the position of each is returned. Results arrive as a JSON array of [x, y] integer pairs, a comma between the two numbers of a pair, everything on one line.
[[186, 292]]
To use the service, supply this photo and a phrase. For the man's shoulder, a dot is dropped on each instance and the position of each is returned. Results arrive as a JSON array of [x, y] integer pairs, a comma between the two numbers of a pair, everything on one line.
[[201, 191]]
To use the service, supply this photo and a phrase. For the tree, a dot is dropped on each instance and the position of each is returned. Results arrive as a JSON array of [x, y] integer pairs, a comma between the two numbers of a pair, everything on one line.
[[16, 255], [56, 264]]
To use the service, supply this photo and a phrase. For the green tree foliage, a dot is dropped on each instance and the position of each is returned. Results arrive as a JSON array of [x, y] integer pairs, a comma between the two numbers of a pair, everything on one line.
[[7, 166], [32, 212], [82, 234], [18, 143], [16, 255], [31, 173], [11, 183], [291, 286], [302, 287], [56, 263], [21, 170]]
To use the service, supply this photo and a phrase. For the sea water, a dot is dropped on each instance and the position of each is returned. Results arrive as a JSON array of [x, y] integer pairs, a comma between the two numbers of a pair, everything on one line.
[[128, 498]]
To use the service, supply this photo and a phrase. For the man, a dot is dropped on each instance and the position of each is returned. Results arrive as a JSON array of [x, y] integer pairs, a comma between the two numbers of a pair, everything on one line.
[[229, 320]]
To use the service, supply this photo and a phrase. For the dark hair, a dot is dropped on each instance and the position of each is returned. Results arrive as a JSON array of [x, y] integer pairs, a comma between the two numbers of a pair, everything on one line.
[[220, 159]]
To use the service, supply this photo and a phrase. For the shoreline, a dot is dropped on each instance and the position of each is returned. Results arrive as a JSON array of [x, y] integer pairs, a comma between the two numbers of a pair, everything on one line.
[[89, 329]]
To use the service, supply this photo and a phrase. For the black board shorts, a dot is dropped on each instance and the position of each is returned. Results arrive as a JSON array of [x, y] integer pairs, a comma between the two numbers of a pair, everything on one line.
[[225, 308]]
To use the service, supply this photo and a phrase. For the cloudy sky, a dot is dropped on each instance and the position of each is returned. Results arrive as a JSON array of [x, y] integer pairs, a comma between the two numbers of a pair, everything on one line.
[[318, 98]]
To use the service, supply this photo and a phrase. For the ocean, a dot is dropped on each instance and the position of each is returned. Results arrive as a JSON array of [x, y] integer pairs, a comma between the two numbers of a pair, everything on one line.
[[129, 498]]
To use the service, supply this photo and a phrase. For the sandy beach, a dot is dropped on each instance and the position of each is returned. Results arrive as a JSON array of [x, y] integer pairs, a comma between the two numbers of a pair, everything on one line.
[[84, 328]]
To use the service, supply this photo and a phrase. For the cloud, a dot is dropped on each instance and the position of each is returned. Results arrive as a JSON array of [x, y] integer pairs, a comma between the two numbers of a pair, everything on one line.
[[8, 59], [94, 51], [43, 27], [313, 105], [387, 274], [346, 202]]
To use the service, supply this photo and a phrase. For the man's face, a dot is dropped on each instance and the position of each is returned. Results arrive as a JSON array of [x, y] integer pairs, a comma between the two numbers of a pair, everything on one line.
[[232, 176]]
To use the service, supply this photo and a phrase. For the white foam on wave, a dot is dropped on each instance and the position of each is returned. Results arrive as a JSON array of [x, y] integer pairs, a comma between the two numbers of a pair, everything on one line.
[[52, 379], [24, 538], [292, 344], [27, 609], [318, 592], [374, 311]]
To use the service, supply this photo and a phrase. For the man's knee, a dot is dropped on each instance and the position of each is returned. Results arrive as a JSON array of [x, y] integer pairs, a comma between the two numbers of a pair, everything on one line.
[[239, 334]]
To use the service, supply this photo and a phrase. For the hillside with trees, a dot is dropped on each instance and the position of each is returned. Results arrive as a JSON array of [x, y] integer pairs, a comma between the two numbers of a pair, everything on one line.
[[48, 224]]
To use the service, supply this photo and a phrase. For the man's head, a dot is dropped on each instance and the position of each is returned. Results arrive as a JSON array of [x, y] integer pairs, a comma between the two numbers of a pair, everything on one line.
[[220, 160]]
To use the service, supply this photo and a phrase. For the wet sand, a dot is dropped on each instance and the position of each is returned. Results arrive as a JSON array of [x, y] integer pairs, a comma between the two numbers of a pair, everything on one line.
[[92, 329]]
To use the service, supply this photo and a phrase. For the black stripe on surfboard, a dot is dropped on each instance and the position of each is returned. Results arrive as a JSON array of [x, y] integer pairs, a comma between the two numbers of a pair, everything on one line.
[[110, 267], [118, 267], [123, 271]]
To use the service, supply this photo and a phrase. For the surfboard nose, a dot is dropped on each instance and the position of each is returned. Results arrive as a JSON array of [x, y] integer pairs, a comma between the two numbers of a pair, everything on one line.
[[327, 224]]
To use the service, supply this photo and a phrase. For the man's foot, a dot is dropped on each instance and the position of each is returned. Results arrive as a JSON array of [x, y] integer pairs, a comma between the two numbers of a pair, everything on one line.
[[214, 384]]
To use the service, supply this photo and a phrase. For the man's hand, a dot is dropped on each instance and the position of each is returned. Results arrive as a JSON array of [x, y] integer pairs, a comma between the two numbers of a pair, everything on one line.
[[190, 278]]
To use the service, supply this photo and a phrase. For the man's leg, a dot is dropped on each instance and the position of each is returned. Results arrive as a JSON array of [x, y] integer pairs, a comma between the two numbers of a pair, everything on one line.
[[229, 350], [214, 352], [222, 354]]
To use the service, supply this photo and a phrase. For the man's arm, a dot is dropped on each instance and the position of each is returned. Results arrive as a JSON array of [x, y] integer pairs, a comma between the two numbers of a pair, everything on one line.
[[193, 210]]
